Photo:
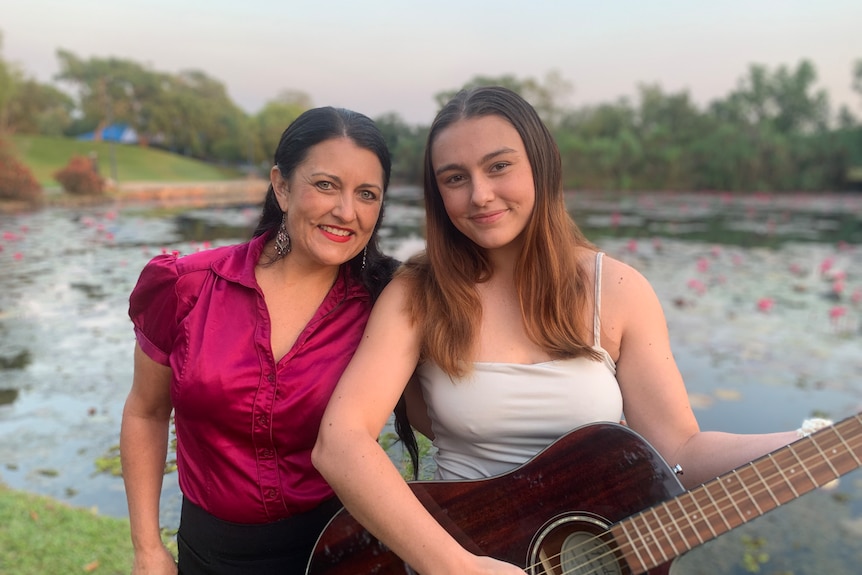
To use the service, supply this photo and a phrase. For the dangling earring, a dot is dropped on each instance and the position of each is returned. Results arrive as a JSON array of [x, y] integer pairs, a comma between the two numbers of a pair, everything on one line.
[[282, 240], [364, 253]]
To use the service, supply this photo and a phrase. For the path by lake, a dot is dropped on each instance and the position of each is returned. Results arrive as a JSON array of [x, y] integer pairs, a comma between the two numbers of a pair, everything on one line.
[[763, 297]]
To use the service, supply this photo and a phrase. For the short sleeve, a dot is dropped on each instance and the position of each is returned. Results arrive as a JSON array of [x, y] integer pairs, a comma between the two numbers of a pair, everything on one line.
[[153, 307]]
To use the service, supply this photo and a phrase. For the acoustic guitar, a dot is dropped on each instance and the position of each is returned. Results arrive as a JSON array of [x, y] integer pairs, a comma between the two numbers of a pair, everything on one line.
[[600, 500]]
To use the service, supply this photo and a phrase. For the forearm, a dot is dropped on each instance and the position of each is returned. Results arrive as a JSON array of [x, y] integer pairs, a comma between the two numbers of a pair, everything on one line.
[[379, 498], [143, 451], [708, 454]]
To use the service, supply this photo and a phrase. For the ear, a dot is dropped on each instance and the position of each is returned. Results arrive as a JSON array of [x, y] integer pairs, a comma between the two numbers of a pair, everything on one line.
[[279, 186]]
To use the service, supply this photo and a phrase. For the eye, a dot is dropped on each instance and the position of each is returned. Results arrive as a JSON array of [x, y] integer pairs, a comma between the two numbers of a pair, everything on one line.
[[454, 179], [368, 195], [499, 166], [324, 185]]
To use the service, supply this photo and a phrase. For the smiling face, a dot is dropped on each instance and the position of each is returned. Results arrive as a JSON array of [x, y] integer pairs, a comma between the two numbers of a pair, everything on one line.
[[485, 180], [332, 201]]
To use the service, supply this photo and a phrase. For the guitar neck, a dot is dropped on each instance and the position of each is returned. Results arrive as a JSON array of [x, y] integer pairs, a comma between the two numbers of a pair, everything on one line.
[[669, 529]]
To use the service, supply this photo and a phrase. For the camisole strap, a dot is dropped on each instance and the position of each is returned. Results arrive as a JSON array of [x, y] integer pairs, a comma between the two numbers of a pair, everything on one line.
[[597, 321]]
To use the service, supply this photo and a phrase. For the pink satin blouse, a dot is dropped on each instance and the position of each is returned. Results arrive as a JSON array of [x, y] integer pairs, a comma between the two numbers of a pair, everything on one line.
[[245, 423]]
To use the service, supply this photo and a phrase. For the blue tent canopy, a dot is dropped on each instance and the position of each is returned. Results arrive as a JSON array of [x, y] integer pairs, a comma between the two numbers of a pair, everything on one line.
[[120, 133]]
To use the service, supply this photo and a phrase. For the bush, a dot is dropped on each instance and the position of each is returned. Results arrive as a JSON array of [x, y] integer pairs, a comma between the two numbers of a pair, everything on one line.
[[16, 180], [80, 178]]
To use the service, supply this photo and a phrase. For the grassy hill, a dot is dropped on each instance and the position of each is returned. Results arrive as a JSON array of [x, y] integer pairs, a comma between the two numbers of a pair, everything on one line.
[[44, 155]]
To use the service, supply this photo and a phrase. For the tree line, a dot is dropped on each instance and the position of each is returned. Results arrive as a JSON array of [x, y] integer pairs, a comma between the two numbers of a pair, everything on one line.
[[775, 130]]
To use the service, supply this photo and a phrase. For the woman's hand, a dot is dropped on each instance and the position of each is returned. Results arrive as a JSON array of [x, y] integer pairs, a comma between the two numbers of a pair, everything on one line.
[[157, 562], [490, 566]]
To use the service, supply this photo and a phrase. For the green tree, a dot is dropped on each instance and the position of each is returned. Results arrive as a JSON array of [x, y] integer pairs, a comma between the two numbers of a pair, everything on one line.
[[38, 108], [779, 119], [857, 77], [599, 146], [666, 125], [10, 78], [406, 144], [197, 118], [189, 113], [112, 90], [275, 116]]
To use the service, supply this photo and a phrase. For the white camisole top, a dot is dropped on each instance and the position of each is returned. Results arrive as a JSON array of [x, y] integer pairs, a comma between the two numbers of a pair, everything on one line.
[[502, 414]]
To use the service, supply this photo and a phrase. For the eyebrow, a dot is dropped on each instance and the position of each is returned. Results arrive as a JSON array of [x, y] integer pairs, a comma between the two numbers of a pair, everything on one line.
[[485, 158], [340, 183]]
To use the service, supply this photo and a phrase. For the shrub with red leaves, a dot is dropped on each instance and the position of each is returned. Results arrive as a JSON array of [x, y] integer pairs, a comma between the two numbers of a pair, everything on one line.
[[79, 177], [16, 180]]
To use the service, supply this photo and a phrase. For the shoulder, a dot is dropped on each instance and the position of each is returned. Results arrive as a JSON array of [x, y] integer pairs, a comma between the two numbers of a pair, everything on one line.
[[396, 294], [204, 260], [629, 301], [166, 273], [620, 277], [177, 264]]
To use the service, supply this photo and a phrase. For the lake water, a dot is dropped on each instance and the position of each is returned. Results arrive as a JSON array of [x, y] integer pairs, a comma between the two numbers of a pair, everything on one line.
[[763, 297]]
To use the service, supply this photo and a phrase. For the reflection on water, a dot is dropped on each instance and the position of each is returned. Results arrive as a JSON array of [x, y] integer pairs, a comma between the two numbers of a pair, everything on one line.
[[20, 360], [8, 396], [763, 297], [759, 220]]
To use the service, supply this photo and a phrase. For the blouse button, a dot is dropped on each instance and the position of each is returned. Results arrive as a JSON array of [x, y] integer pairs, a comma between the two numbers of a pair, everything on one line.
[[271, 493], [262, 420], [270, 377], [266, 453]]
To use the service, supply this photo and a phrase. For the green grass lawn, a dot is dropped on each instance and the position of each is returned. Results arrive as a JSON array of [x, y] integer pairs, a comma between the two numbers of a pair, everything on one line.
[[40, 536], [44, 155]]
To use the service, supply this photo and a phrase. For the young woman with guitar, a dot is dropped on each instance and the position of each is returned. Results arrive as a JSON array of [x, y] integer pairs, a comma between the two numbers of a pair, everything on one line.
[[522, 331]]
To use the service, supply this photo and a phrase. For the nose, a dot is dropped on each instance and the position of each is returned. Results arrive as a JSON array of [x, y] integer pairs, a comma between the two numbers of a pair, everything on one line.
[[345, 208], [481, 192]]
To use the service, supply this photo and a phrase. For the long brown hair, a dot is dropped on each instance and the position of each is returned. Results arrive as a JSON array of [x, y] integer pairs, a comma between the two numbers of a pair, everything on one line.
[[551, 285]]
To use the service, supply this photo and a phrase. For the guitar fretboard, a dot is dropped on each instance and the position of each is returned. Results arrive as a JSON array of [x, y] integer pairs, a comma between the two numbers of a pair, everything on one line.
[[665, 531]]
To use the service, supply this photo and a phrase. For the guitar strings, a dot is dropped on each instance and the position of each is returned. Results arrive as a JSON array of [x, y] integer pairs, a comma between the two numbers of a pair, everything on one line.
[[577, 553], [719, 511]]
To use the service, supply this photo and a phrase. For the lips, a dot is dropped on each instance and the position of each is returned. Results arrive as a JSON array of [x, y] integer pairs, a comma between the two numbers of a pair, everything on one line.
[[336, 234], [488, 217]]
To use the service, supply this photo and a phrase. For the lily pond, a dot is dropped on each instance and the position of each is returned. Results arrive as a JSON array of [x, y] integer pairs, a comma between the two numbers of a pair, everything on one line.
[[763, 297]]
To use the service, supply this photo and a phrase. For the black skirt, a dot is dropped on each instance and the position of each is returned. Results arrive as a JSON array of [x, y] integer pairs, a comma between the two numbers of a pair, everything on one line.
[[209, 546]]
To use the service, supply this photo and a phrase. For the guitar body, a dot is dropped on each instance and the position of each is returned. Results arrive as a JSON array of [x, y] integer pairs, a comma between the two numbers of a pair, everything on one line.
[[570, 492]]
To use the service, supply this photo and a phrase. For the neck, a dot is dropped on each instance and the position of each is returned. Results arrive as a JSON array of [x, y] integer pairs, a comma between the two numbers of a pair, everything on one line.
[[503, 260], [292, 269]]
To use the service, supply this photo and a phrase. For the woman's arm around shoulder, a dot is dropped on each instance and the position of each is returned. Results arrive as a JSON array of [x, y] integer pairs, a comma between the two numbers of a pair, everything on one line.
[[349, 457], [655, 400]]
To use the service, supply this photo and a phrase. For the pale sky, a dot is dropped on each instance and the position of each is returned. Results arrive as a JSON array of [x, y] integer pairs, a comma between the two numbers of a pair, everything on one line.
[[378, 56]]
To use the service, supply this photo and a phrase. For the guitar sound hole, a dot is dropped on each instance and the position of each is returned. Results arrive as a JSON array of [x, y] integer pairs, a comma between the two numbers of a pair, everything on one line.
[[574, 545]]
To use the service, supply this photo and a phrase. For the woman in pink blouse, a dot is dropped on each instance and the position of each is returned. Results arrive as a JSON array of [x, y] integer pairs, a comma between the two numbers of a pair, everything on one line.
[[244, 344]]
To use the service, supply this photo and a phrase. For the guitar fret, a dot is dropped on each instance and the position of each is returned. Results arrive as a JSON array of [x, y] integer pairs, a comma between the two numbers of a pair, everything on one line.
[[715, 505], [703, 515], [732, 500], [825, 459], [687, 515], [748, 493], [758, 487], [792, 449], [847, 447], [661, 525], [643, 564], [676, 529], [649, 538], [766, 485], [780, 469]]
